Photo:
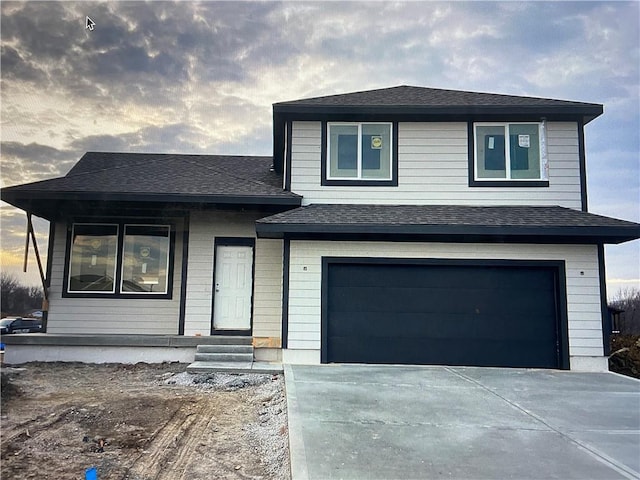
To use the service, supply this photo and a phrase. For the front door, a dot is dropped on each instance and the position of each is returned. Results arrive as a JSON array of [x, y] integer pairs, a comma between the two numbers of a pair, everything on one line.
[[232, 288]]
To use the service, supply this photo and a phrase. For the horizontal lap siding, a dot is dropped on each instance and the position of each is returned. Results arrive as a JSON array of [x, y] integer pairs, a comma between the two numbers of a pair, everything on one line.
[[433, 169], [111, 315], [582, 282], [267, 302], [204, 228]]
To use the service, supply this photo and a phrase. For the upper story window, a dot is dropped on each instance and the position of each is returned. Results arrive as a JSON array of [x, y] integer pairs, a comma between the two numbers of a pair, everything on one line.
[[359, 154], [509, 154], [120, 260]]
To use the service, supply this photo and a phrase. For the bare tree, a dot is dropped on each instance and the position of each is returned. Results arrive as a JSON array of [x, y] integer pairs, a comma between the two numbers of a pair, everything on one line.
[[17, 299], [628, 300]]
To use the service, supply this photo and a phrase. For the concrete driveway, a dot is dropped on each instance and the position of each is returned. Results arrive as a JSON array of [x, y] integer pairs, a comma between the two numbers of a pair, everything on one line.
[[403, 422]]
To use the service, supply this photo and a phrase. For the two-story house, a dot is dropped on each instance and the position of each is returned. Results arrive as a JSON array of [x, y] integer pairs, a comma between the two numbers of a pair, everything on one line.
[[400, 225]]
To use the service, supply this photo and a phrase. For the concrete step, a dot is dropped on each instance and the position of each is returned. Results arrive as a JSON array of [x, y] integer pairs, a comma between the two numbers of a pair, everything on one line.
[[224, 340], [224, 349], [234, 367], [224, 357]]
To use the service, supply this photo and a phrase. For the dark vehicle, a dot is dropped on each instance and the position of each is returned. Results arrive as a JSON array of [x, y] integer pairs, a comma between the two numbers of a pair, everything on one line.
[[20, 325]]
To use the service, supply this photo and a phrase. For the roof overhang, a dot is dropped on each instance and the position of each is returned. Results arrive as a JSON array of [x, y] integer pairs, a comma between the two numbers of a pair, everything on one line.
[[51, 205], [586, 112], [414, 233], [438, 232]]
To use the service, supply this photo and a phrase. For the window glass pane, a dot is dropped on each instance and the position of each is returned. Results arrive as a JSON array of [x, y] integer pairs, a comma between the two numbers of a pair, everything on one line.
[[490, 152], [524, 151], [376, 151], [343, 151], [93, 258], [145, 259]]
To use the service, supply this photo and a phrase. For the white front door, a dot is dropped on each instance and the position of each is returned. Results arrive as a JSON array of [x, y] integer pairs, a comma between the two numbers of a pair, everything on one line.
[[232, 288]]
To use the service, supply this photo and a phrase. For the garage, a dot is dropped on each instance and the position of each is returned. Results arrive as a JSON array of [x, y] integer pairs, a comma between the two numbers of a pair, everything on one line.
[[444, 312]]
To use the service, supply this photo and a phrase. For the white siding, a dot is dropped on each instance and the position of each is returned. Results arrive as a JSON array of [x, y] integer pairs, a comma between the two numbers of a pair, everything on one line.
[[433, 169], [267, 295], [157, 316], [204, 228], [111, 315], [582, 282]]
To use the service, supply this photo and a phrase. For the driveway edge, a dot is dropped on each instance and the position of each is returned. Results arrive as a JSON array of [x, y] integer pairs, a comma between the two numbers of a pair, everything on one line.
[[297, 453]]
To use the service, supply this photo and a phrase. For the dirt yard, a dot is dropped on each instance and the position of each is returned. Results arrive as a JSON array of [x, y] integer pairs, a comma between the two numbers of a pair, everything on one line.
[[141, 422]]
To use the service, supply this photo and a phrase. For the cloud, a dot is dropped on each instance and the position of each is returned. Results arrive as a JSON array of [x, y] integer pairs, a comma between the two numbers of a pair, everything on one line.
[[29, 163]]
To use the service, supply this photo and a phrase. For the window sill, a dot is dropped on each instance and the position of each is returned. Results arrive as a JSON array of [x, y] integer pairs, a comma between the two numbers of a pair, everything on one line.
[[112, 296], [359, 183], [508, 183]]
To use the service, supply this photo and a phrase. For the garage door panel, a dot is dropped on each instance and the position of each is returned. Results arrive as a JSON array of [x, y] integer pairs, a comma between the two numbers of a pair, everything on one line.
[[442, 314], [448, 351], [439, 301], [450, 326]]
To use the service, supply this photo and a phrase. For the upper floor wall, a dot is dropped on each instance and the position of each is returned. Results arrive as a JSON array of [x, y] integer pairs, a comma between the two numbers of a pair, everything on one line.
[[434, 160]]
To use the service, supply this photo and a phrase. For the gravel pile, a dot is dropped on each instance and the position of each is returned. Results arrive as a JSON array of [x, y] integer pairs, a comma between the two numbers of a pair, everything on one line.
[[270, 434], [218, 381]]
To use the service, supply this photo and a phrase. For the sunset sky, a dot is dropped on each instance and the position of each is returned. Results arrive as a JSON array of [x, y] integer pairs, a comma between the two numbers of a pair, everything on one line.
[[193, 77]]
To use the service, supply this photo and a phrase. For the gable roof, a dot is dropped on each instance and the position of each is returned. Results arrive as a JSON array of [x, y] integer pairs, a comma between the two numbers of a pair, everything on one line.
[[410, 103], [460, 223], [157, 178]]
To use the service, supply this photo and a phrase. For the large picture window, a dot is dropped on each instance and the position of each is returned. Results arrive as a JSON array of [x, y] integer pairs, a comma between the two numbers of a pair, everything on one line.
[[359, 152], [509, 152], [145, 259], [92, 262], [119, 259]]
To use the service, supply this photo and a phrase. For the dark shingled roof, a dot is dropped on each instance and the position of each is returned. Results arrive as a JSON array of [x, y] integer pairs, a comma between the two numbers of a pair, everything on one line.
[[448, 220], [435, 102], [140, 177], [408, 96]]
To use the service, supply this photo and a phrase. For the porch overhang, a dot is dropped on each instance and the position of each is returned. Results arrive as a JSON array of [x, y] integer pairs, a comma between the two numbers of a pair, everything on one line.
[[447, 223], [51, 205]]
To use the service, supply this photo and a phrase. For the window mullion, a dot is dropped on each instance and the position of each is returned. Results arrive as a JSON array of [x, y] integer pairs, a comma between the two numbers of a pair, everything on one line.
[[120, 258], [359, 160], [507, 151]]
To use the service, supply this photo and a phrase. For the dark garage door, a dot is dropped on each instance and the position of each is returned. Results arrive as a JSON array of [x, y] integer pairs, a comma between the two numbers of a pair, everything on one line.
[[442, 314]]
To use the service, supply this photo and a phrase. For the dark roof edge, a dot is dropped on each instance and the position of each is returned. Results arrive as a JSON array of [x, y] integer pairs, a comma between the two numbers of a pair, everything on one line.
[[29, 196], [582, 234], [587, 111]]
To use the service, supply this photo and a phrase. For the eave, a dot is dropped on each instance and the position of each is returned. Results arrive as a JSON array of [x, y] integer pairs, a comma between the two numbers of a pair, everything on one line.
[[51, 205], [453, 233], [586, 112]]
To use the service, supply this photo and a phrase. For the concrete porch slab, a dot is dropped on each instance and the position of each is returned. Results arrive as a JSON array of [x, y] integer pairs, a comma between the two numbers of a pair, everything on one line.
[[235, 367]]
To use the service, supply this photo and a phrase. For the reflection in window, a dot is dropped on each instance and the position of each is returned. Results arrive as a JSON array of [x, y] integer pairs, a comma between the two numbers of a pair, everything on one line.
[[508, 151], [145, 259], [359, 151], [93, 258]]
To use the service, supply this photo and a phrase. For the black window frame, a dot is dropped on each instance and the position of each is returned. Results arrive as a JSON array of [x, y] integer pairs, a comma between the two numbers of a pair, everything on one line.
[[118, 293], [324, 174], [492, 182]]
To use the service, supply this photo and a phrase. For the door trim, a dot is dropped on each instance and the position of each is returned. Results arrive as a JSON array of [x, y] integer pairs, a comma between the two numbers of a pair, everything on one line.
[[558, 267], [233, 242]]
